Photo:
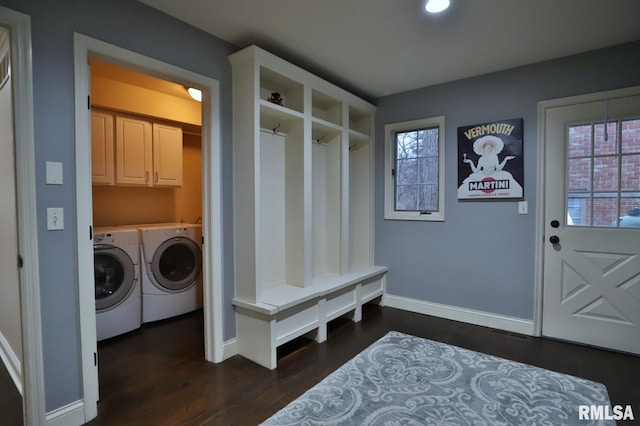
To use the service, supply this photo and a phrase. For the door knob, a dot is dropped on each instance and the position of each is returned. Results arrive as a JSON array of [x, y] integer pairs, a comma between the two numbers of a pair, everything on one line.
[[555, 223], [554, 239]]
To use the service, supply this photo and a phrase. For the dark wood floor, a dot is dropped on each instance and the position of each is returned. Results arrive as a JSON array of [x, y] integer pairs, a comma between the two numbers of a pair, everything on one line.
[[10, 400], [158, 376]]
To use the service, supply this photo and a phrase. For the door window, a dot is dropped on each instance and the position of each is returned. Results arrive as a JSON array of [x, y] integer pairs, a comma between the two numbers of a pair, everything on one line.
[[603, 174]]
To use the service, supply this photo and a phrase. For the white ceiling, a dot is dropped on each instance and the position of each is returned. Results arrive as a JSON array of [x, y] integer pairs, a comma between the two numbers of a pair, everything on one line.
[[380, 47]]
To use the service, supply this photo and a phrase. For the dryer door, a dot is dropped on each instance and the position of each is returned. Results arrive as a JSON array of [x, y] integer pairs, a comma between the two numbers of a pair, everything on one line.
[[176, 264], [114, 275]]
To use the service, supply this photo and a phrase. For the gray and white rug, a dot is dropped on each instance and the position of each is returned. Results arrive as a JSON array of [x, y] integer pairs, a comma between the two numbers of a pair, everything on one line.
[[407, 380]]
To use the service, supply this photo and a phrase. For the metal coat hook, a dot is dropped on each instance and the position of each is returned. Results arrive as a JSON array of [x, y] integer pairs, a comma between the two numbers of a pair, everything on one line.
[[319, 140], [352, 148], [275, 129]]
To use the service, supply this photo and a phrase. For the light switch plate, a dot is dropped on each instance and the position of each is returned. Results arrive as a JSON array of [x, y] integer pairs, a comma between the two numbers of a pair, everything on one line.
[[55, 219], [523, 207], [54, 173]]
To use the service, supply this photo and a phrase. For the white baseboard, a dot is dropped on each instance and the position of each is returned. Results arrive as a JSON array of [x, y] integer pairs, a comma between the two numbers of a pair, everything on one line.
[[68, 415], [229, 348], [470, 316], [11, 362]]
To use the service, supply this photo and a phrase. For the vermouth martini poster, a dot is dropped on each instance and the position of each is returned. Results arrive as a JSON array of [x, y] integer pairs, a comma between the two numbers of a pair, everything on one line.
[[490, 163]]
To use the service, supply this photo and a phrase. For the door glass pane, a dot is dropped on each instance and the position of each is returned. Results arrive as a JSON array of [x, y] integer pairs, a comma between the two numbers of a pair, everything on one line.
[[605, 143], [579, 170], [605, 209], [603, 174], [579, 141], [630, 136]]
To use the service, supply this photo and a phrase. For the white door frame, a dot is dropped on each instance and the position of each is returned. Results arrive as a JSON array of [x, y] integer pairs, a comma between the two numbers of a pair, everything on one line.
[[540, 209], [33, 396], [85, 47]]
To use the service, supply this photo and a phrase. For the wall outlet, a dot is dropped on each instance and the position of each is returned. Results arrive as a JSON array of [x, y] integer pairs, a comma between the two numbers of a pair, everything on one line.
[[55, 219]]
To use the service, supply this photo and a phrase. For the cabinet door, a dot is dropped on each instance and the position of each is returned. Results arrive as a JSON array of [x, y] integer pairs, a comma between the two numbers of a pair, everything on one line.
[[133, 151], [102, 147], [167, 155]]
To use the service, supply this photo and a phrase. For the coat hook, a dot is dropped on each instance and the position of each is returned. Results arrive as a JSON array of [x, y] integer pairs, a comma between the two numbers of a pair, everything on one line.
[[319, 140], [352, 148], [275, 129]]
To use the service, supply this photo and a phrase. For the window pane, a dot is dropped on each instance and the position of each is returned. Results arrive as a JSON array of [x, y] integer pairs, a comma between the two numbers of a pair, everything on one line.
[[407, 145], [579, 174], [428, 170], [605, 173], [428, 143], [407, 197], [631, 173], [630, 136], [579, 141], [609, 146], [428, 198], [605, 209], [407, 172]]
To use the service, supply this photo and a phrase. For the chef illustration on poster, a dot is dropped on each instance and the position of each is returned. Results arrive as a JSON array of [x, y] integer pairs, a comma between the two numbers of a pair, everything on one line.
[[490, 164]]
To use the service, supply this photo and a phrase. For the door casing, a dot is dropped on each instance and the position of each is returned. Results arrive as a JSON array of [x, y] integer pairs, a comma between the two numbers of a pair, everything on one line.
[[85, 47], [33, 394]]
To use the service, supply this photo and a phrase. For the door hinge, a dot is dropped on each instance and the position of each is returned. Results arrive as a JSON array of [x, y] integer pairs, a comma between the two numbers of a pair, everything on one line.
[[89, 102], [393, 172], [95, 359], [90, 232], [20, 262]]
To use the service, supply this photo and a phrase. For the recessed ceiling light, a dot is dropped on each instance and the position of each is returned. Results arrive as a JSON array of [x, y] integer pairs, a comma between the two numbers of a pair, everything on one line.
[[436, 6]]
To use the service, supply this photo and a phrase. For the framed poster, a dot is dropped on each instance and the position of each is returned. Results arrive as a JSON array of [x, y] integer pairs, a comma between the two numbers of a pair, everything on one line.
[[490, 163]]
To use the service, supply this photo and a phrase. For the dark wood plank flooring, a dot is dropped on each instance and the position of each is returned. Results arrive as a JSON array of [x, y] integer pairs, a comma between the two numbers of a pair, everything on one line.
[[158, 376], [10, 400]]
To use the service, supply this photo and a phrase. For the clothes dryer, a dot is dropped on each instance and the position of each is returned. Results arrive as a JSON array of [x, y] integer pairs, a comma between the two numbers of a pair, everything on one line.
[[171, 259], [116, 254]]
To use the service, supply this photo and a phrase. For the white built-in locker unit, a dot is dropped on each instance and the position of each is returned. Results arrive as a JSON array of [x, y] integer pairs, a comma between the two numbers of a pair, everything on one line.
[[303, 204]]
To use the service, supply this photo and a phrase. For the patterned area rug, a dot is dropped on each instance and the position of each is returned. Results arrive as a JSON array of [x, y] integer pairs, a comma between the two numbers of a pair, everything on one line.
[[407, 380]]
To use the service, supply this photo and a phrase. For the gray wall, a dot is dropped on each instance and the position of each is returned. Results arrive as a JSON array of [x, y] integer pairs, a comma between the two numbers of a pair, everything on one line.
[[134, 26], [482, 256]]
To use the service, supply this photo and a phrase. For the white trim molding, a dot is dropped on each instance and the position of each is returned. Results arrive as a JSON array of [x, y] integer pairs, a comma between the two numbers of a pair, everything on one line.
[[11, 362], [469, 316], [68, 415], [33, 392]]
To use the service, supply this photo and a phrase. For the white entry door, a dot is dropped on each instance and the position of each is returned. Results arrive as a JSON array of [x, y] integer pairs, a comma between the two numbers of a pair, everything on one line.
[[592, 221]]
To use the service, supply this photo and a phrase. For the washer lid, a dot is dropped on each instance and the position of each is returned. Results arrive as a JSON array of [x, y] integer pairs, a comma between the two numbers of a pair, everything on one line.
[[114, 276], [177, 264]]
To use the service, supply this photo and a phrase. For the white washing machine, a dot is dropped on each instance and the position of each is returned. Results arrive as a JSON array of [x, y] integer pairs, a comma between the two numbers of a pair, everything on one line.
[[171, 269], [116, 254]]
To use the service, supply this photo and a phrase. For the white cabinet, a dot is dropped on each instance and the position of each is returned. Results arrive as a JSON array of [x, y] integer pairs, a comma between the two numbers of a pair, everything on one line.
[[303, 194], [142, 153], [102, 148]]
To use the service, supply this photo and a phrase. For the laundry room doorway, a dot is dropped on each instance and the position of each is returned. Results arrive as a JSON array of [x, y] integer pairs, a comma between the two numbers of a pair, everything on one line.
[[159, 195]]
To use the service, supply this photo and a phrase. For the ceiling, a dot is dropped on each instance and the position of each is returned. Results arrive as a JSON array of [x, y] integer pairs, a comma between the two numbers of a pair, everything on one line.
[[381, 47]]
